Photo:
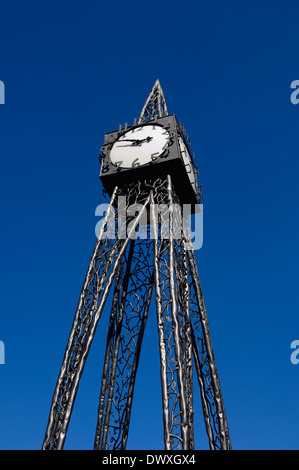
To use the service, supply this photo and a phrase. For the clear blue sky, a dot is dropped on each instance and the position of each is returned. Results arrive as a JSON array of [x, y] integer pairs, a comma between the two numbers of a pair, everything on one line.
[[75, 70]]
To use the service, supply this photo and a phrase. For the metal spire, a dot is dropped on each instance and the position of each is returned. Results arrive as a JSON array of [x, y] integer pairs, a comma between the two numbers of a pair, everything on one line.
[[155, 104]]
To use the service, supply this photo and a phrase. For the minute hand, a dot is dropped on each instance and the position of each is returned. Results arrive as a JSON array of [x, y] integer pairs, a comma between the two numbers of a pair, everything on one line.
[[137, 141]]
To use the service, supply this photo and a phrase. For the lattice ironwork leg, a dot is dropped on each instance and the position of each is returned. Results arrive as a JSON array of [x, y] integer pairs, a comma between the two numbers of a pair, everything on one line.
[[177, 325], [102, 269], [182, 299], [172, 318], [183, 332], [111, 358], [128, 319]]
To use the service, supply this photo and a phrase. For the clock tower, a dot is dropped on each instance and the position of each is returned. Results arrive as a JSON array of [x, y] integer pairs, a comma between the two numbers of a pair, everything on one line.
[[150, 164]]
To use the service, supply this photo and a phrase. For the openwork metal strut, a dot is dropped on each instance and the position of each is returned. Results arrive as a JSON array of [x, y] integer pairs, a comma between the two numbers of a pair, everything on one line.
[[153, 257], [155, 105]]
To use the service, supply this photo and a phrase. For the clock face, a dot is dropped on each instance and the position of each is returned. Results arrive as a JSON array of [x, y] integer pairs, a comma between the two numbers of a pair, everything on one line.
[[188, 163], [139, 146]]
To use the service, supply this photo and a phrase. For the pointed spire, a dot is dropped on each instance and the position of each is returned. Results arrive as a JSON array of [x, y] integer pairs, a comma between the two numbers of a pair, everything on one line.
[[155, 104]]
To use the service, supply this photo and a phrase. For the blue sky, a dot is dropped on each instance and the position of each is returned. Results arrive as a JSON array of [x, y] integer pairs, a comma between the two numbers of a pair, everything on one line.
[[73, 71]]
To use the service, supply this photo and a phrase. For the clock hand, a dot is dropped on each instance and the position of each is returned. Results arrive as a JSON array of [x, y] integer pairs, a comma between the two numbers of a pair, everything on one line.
[[137, 141]]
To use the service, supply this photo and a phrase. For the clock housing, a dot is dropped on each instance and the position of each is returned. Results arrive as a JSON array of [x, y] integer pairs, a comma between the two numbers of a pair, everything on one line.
[[149, 150]]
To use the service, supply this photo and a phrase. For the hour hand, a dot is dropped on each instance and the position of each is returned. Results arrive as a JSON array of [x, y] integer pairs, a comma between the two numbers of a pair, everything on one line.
[[139, 142]]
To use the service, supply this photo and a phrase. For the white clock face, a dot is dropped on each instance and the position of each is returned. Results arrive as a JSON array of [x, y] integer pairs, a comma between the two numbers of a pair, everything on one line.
[[187, 162], [139, 146]]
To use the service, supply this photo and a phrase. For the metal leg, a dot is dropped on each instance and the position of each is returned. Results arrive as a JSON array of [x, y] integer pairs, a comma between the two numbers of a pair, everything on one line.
[[172, 319], [103, 266], [128, 320], [112, 350], [182, 293], [176, 326], [159, 249]]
